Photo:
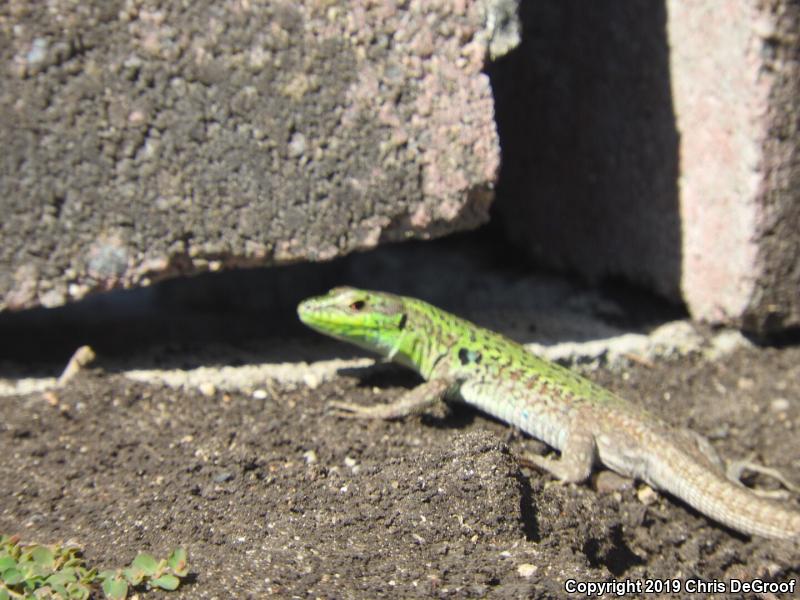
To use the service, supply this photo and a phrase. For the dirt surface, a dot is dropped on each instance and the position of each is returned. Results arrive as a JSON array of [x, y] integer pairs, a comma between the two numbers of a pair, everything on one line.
[[271, 494]]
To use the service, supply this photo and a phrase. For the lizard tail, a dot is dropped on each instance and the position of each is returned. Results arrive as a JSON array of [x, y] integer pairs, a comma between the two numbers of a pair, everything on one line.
[[727, 502]]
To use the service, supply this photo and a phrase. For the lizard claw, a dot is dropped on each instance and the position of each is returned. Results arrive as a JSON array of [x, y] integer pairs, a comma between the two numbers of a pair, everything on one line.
[[349, 410]]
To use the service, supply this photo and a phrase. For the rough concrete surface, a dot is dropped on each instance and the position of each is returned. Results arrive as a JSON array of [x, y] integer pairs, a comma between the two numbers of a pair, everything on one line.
[[666, 149], [736, 88], [144, 138]]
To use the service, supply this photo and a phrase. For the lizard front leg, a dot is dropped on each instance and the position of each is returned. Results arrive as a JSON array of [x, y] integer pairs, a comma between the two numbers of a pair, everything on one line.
[[412, 402]]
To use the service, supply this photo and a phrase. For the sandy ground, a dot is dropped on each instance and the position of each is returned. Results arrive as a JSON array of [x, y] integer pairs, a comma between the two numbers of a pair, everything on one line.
[[182, 433], [272, 494]]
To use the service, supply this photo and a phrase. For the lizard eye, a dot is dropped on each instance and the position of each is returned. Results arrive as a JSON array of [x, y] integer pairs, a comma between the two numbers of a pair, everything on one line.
[[357, 305]]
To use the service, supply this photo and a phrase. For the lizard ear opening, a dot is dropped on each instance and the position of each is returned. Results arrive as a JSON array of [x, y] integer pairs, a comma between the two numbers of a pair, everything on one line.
[[402, 323]]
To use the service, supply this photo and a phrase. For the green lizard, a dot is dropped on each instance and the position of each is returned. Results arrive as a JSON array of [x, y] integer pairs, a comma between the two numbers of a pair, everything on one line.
[[585, 422]]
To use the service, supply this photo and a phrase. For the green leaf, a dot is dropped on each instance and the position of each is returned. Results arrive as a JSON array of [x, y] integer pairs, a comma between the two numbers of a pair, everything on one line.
[[179, 562], [31, 571], [79, 591], [85, 575], [145, 563], [61, 577], [73, 561], [31, 585], [134, 576], [4, 594], [166, 582], [12, 576], [116, 588], [43, 557], [7, 562], [59, 588]]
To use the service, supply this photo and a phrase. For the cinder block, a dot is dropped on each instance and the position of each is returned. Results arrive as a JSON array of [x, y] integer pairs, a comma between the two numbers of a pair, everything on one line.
[[736, 92], [141, 141], [657, 142]]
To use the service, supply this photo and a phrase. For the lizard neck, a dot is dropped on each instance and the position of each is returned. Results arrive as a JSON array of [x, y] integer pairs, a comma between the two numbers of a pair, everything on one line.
[[418, 345]]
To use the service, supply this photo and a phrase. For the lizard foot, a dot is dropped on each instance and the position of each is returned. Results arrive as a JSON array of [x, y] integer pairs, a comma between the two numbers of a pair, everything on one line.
[[350, 410], [412, 402], [735, 469]]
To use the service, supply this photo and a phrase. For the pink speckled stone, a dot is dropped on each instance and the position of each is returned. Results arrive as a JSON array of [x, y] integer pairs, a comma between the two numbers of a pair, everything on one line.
[[660, 144], [729, 91]]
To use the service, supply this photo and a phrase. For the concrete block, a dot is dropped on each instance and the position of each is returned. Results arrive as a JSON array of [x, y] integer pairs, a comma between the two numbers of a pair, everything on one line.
[[142, 140], [736, 92], [657, 142]]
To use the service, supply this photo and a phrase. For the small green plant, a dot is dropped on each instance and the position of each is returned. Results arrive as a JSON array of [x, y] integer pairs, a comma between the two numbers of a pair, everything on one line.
[[58, 572], [146, 570]]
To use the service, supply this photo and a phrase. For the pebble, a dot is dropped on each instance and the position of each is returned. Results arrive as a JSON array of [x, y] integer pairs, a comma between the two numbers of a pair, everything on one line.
[[526, 570], [647, 495], [779, 404], [207, 388]]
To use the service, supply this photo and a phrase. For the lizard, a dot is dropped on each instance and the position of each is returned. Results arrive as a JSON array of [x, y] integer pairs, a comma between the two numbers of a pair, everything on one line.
[[584, 421]]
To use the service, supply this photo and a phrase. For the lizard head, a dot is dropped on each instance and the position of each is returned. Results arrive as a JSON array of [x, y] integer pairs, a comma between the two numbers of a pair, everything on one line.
[[375, 321]]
